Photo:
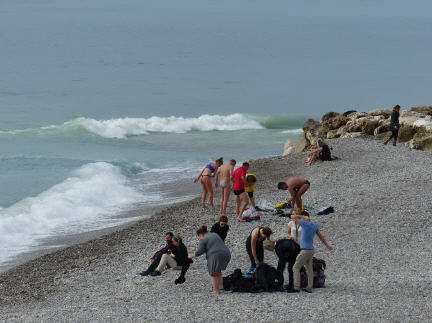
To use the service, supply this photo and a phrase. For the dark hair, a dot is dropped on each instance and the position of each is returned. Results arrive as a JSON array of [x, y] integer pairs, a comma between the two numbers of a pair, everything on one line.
[[305, 213], [281, 185], [267, 231], [251, 178], [169, 233], [220, 160], [233, 161], [396, 107], [245, 164], [223, 218], [202, 230]]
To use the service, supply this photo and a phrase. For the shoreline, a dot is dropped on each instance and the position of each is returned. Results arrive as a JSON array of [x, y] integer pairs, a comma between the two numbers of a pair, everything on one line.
[[374, 189]]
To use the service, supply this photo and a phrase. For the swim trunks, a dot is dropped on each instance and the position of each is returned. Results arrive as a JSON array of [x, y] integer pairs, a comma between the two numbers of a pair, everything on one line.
[[224, 184], [238, 192], [250, 194]]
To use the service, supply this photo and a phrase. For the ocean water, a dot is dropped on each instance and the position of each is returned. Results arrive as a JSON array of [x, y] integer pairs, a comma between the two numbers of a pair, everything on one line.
[[111, 106]]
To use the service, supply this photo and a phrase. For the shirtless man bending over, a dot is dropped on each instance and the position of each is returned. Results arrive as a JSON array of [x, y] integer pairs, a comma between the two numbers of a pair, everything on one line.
[[224, 173], [297, 187]]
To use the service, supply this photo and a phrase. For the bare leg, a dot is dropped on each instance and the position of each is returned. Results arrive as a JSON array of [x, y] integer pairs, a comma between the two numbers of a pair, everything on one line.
[[210, 190], [244, 199], [226, 192], [220, 281], [237, 200], [299, 194], [204, 194], [252, 201], [222, 200], [215, 282]]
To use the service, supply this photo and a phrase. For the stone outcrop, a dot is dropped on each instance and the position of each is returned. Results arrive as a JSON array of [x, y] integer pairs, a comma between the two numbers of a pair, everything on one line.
[[415, 131]]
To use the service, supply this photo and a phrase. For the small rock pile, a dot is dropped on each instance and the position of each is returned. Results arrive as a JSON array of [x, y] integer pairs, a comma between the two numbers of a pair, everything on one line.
[[415, 131]]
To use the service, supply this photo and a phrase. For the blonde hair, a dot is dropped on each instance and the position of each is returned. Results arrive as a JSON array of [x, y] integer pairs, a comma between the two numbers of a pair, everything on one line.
[[298, 211], [178, 238]]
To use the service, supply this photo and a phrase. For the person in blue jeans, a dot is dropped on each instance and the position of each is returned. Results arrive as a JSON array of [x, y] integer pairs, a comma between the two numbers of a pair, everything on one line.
[[304, 258]]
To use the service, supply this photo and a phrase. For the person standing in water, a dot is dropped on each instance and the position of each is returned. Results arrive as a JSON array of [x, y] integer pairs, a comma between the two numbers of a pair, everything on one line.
[[394, 125], [224, 173], [205, 178]]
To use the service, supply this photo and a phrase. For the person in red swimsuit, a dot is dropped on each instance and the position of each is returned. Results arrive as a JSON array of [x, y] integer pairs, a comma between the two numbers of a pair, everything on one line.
[[239, 180]]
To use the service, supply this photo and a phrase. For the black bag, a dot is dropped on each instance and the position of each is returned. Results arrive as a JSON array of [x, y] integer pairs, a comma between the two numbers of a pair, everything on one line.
[[237, 283], [268, 278]]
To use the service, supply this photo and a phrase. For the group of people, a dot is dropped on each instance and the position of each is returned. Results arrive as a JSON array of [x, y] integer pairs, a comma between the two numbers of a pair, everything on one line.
[[243, 185]]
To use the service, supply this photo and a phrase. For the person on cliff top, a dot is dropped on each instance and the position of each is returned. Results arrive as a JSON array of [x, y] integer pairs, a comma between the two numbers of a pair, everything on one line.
[[304, 258], [204, 177], [156, 258], [239, 180], [297, 187], [394, 125], [224, 174]]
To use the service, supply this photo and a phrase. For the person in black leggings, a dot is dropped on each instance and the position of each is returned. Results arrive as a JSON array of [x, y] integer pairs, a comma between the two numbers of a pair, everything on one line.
[[254, 245], [394, 125]]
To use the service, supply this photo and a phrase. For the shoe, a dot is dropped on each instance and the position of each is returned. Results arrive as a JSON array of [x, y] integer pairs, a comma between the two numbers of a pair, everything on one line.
[[180, 280], [145, 273], [293, 290], [155, 273], [306, 290], [251, 270]]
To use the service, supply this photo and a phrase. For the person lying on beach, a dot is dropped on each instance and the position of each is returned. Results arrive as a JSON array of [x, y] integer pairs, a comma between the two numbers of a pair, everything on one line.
[[239, 180], [221, 227], [297, 187], [205, 176], [156, 258], [254, 245], [224, 173], [217, 254], [175, 258], [304, 258]]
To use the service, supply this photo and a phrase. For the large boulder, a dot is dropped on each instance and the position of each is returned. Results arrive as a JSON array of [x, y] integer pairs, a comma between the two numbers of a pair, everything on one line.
[[328, 115], [351, 135], [313, 130], [298, 146], [426, 109], [352, 126], [384, 128], [367, 125], [422, 143], [348, 113], [381, 112], [333, 134], [336, 122], [406, 133]]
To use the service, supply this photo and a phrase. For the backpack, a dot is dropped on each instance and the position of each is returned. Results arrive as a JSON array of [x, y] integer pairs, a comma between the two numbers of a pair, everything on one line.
[[268, 278], [318, 266], [237, 282]]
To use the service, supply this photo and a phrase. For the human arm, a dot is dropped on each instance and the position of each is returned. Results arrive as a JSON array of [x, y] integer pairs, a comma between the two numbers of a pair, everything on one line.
[[224, 232], [289, 232], [196, 179], [324, 241], [217, 173], [254, 239], [162, 251]]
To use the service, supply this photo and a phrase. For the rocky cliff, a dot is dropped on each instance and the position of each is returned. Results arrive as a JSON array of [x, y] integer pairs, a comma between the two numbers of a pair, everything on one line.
[[415, 131]]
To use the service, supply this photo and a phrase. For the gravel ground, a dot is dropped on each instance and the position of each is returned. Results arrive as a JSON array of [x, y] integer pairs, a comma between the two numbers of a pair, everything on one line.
[[379, 270]]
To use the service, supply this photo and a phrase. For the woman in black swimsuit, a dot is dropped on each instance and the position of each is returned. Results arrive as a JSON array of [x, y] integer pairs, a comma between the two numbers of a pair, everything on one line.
[[254, 245]]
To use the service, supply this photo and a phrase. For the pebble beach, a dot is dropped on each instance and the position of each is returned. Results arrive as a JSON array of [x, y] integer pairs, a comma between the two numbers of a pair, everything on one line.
[[379, 270]]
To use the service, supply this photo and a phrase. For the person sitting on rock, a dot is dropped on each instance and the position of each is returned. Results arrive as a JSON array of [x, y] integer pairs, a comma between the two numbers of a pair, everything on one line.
[[321, 151], [155, 259]]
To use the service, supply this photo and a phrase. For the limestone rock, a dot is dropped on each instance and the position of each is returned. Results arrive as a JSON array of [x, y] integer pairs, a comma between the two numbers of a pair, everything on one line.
[[406, 133], [348, 113], [335, 123], [351, 135], [367, 125], [422, 143], [426, 109], [333, 134], [328, 115], [381, 112], [298, 146]]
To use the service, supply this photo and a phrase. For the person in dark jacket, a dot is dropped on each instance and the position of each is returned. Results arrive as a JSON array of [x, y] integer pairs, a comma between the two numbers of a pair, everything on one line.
[[287, 251], [394, 125], [156, 258], [221, 227], [175, 258]]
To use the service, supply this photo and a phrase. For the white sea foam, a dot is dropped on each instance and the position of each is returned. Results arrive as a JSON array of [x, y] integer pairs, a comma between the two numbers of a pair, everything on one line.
[[121, 128], [293, 131], [87, 198]]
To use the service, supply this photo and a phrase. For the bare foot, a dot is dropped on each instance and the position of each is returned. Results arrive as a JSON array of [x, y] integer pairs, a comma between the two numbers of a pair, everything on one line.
[[216, 292], [240, 220], [212, 206], [203, 206]]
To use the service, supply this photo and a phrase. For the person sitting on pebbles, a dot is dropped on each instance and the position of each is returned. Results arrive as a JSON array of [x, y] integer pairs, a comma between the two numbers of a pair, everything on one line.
[[297, 187], [254, 245], [217, 254], [175, 258], [156, 258]]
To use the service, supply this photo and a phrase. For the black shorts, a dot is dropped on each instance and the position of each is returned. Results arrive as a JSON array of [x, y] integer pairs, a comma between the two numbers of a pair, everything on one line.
[[250, 194], [307, 182], [238, 192]]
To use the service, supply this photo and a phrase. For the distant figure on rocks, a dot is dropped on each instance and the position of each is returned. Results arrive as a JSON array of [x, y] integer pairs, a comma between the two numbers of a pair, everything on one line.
[[205, 177], [254, 245], [221, 227], [217, 254], [394, 125], [304, 258], [175, 258], [224, 173], [297, 187], [156, 258], [321, 151], [239, 179]]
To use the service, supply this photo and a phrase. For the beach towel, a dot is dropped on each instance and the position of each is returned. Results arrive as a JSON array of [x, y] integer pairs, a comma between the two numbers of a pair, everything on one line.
[[265, 205]]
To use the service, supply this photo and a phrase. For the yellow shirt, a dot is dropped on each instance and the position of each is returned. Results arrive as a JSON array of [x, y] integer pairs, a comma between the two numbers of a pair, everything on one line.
[[252, 185]]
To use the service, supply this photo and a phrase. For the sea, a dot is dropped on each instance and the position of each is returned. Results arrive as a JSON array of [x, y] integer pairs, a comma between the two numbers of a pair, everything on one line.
[[109, 108]]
